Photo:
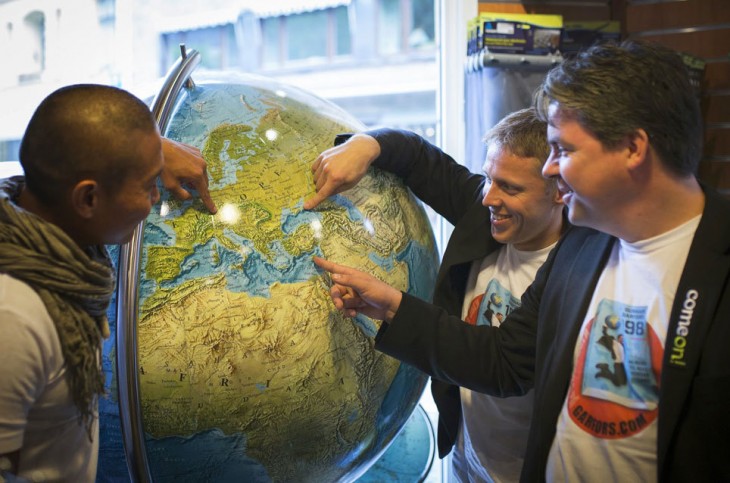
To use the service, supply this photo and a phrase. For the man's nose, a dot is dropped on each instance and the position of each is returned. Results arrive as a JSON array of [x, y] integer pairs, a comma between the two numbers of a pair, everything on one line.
[[491, 196], [551, 167]]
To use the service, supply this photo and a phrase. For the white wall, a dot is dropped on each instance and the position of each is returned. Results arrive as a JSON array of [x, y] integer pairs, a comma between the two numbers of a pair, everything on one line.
[[70, 56]]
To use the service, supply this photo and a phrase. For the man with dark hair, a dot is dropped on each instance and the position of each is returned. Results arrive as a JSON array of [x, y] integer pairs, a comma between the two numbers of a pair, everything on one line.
[[650, 255], [506, 222], [91, 155]]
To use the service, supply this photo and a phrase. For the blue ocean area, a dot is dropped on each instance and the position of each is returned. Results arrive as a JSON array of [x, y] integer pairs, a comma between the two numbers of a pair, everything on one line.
[[409, 457], [387, 263], [400, 400], [352, 212], [227, 101], [262, 273], [259, 272], [112, 466], [365, 324], [146, 288], [230, 169], [159, 234], [291, 220], [206, 456], [422, 272]]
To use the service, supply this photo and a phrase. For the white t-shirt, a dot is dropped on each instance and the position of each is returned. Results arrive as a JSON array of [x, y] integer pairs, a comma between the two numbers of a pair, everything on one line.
[[493, 433], [37, 413], [607, 427]]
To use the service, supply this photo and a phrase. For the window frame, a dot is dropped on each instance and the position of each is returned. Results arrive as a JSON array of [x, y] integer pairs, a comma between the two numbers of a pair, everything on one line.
[[283, 61]]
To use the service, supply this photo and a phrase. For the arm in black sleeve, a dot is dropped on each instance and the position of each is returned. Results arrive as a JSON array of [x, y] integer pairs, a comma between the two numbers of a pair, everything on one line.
[[496, 361], [434, 177]]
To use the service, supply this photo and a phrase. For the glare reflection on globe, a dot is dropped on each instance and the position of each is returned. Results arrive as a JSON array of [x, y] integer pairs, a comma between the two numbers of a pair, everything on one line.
[[247, 373]]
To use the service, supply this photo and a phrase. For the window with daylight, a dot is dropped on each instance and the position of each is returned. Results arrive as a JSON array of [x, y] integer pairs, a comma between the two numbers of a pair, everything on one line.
[[32, 40], [318, 36], [106, 10], [405, 26], [217, 46]]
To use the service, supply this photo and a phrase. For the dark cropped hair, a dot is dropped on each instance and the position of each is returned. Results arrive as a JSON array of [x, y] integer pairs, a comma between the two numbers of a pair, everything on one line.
[[82, 131], [614, 89]]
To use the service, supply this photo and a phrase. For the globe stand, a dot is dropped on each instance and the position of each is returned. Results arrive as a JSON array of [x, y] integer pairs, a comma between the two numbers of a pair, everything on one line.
[[129, 260], [231, 363], [409, 457]]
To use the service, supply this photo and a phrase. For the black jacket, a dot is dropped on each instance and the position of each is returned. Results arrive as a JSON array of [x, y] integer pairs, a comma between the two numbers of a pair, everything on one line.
[[534, 346], [456, 194]]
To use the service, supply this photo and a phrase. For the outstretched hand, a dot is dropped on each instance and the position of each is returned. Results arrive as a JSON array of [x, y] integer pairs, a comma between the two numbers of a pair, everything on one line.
[[356, 292], [342, 167], [184, 165]]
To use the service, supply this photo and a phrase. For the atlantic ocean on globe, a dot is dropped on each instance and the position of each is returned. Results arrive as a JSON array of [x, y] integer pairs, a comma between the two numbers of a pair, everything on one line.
[[246, 370]]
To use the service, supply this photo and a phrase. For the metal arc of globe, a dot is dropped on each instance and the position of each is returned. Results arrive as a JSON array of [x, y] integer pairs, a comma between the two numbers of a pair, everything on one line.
[[246, 372]]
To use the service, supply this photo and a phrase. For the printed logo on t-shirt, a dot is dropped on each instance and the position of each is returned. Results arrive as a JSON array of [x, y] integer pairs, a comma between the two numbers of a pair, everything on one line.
[[493, 306], [614, 390]]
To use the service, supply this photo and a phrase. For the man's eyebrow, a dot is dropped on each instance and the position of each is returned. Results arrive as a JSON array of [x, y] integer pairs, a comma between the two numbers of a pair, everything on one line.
[[555, 139]]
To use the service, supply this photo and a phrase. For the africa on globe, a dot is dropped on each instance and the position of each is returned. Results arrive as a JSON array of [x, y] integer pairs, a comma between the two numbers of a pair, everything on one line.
[[246, 370]]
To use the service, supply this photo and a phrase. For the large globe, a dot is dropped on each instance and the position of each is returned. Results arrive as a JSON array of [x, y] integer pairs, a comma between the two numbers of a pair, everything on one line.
[[246, 371]]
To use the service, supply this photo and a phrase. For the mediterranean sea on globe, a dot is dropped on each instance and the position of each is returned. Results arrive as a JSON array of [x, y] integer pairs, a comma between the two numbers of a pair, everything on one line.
[[247, 372]]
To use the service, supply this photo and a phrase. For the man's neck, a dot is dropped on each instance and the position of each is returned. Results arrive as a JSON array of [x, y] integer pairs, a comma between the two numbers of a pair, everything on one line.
[[29, 202], [662, 208]]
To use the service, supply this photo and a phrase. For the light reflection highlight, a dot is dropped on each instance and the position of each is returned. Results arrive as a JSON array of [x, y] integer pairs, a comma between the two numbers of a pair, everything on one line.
[[271, 134], [316, 226], [229, 214], [368, 225]]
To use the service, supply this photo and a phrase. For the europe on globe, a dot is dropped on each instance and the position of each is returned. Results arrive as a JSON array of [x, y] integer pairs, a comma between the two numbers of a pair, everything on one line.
[[246, 370]]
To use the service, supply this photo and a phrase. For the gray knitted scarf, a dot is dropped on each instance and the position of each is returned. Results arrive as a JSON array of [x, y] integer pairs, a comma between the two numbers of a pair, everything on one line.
[[75, 285]]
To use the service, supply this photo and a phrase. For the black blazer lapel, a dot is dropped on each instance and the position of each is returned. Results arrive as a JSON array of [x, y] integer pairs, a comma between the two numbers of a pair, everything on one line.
[[576, 290], [566, 297], [471, 240], [700, 290]]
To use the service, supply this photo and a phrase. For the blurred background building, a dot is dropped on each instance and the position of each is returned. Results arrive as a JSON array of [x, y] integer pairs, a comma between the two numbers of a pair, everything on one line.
[[375, 58]]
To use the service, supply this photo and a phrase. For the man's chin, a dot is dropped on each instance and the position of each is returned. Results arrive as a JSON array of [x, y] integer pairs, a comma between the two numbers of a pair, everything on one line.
[[578, 218], [124, 239], [501, 237]]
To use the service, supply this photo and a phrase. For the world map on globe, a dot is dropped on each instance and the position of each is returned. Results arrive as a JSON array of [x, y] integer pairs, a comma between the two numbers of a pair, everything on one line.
[[246, 370]]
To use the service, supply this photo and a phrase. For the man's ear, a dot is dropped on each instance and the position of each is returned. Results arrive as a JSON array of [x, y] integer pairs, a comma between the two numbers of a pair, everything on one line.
[[552, 189], [637, 149], [85, 198], [557, 196]]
